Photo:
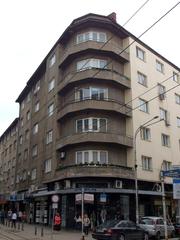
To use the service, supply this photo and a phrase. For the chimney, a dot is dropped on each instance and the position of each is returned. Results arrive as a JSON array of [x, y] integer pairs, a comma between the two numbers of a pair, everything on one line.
[[112, 16]]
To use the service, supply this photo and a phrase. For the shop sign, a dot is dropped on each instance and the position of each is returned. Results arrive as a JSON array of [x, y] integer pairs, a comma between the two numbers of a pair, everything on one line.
[[88, 198], [103, 197], [176, 188]]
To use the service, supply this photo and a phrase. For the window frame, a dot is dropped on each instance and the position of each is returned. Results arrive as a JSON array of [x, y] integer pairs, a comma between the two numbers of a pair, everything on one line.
[[48, 165], [146, 134], [91, 155], [90, 125], [165, 139], [49, 137], [159, 66], [146, 163], [142, 79], [90, 37], [140, 54], [143, 105]]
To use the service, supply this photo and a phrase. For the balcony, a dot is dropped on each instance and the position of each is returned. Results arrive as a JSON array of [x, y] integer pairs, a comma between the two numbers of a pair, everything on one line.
[[91, 104], [107, 75], [110, 49], [94, 137], [109, 170]]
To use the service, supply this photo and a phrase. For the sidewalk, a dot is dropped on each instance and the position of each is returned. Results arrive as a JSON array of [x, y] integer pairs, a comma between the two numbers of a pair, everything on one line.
[[43, 233]]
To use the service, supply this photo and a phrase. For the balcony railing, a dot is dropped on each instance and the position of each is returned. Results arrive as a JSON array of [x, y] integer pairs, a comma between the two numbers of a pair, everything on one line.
[[91, 170], [110, 48], [94, 137], [108, 104], [108, 75]]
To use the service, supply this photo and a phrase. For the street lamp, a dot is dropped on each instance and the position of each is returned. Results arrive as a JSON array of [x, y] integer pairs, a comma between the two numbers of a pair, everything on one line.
[[135, 163]]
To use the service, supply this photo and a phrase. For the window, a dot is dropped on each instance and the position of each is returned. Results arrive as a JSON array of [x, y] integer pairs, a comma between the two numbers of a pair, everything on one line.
[[166, 165], [28, 98], [91, 36], [91, 63], [20, 140], [22, 105], [91, 93], [25, 154], [140, 53], [143, 105], [161, 92], [50, 109], [146, 134], [34, 151], [14, 144], [35, 128], [22, 122], [27, 134], [178, 121], [52, 60], [51, 85], [164, 114], [159, 66], [177, 97], [142, 79], [91, 125], [49, 137], [165, 140], [146, 163], [47, 166], [36, 107], [37, 87], [33, 174], [92, 156], [175, 77], [28, 115]]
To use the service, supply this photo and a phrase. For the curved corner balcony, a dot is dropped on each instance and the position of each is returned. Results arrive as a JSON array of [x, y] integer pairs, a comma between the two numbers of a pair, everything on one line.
[[110, 49], [92, 104], [109, 170], [94, 137], [107, 75]]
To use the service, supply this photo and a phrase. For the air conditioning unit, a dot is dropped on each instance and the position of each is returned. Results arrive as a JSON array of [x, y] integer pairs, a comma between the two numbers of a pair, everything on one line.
[[62, 155], [118, 184], [56, 186]]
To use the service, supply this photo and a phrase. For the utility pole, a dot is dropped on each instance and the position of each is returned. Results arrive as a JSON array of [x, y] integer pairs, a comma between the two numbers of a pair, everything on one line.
[[164, 208]]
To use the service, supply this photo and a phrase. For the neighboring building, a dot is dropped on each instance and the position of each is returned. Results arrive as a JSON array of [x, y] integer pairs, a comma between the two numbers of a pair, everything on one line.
[[8, 147], [78, 116]]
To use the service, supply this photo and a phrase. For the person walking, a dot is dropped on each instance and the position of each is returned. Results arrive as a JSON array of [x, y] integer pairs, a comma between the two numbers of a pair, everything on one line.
[[86, 224], [9, 217], [14, 219], [57, 222], [20, 216]]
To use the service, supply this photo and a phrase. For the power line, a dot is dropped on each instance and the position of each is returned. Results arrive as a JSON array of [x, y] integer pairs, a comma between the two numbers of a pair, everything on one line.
[[134, 14]]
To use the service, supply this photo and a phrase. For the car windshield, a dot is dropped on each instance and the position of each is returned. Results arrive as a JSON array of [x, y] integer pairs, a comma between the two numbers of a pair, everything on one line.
[[108, 224], [146, 221]]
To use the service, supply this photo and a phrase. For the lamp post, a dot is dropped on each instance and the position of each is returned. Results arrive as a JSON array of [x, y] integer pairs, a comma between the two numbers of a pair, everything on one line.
[[135, 163]]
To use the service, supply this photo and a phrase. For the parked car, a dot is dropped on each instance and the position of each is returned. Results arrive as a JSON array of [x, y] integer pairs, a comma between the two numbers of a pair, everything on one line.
[[155, 227], [177, 228], [119, 230]]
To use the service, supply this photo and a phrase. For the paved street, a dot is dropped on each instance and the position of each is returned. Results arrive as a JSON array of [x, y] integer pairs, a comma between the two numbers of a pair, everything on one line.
[[29, 234]]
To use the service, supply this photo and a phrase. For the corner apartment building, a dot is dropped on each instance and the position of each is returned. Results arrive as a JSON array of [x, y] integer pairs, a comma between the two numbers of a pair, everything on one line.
[[8, 147], [78, 116]]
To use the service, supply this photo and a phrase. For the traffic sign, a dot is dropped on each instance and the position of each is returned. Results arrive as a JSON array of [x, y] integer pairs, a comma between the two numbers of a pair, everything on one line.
[[55, 198], [54, 205], [175, 173]]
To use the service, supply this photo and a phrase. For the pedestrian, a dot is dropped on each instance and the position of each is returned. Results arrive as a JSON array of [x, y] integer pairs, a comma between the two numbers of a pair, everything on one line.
[[30, 217], [86, 224], [2, 217], [57, 222], [20, 216], [24, 217], [14, 219], [9, 216], [78, 221]]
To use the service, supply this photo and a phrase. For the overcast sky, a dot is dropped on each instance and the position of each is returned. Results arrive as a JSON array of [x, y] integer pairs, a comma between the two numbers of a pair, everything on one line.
[[29, 28]]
